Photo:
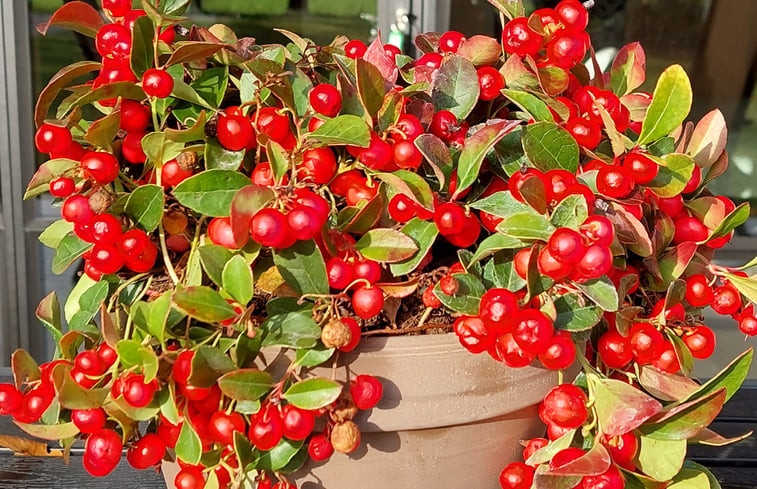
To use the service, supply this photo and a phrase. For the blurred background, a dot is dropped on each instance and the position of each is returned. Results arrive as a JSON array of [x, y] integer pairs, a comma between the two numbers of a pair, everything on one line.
[[713, 39]]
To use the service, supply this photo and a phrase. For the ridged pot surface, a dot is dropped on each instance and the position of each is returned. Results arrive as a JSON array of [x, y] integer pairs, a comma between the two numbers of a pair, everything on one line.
[[448, 419]]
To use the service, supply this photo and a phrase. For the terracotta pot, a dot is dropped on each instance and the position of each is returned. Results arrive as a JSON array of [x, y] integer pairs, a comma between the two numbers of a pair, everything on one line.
[[448, 419]]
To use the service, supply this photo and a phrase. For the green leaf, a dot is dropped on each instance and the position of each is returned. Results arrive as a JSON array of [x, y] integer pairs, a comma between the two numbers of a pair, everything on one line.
[[211, 85], [410, 184], [661, 459], [621, 407], [280, 455], [102, 131], [342, 130], [213, 259], [454, 87], [527, 225], [210, 192], [203, 303], [500, 272], [573, 316], [47, 172], [313, 357], [386, 245], [628, 71], [132, 354], [188, 445], [468, 296], [159, 149], [142, 51], [48, 312], [50, 432], [208, 364], [145, 206], [690, 479], [55, 232], [423, 234], [219, 158], [245, 384], [303, 267], [291, 330], [502, 204], [550, 147], [731, 377], [438, 156], [546, 453], [493, 244], [531, 104], [237, 279], [714, 484], [736, 218], [69, 250], [186, 52], [671, 102], [391, 109], [602, 292], [475, 150], [510, 8], [72, 396], [571, 212], [674, 173], [157, 315], [371, 86], [686, 420], [279, 160], [313, 393]]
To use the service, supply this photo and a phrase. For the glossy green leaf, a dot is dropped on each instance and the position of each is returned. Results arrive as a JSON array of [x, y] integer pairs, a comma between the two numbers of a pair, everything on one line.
[[550, 147], [131, 354], [188, 445], [213, 259], [423, 234], [530, 104], [237, 279], [312, 357], [660, 459], [342, 130], [671, 102], [210, 192], [454, 87], [502, 204], [48, 312], [438, 156], [468, 296], [386, 245], [494, 243], [628, 71], [313, 393], [280, 455], [527, 225], [219, 158], [69, 250], [142, 51], [208, 364], [203, 303], [573, 316], [303, 267], [602, 292], [731, 377], [55, 232], [686, 420], [571, 212], [736, 218], [291, 330], [279, 160], [674, 173], [145, 206], [159, 149], [475, 150], [245, 384], [499, 271], [371, 86]]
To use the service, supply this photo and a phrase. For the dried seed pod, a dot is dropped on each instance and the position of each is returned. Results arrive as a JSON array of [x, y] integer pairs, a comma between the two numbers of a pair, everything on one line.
[[344, 408], [187, 160], [336, 334], [100, 200], [345, 437]]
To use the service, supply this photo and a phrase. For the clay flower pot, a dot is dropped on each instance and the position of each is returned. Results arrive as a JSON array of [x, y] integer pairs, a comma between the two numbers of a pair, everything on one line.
[[443, 409]]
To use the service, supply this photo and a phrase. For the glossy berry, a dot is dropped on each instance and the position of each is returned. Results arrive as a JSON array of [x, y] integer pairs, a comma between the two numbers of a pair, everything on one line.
[[490, 82], [586, 133], [694, 182], [320, 448], [612, 478], [595, 262], [430, 299], [516, 475], [406, 155], [642, 168], [51, 138], [449, 218], [701, 341], [367, 302], [113, 41], [450, 41], [298, 423], [106, 229], [568, 49], [689, 229], [646, 342], [572, 15], [566, 245], [698, 291], [34, 403], [473, 334], [147, 452], [519, 39], [100, 167], [598, 230], [269, 228], [747, 325], [89, 363], [559, 353], [339, 273], [430, 60], [444, 125], [614, 182], [234, 131], [10, 399], [318, 165], [622, 449], [408, 126], [366, 391], [220, 233], [222, 426], [614, 349], [135, 117], [449, 285], [497, 309], [401, 208], [378, 155], [266, 428], [325, 99], [157, 83], [303, 222], [510, 352], [565, 406], [533, 330], [355, 49], [391, 50], [726, 300], [117, 8], [62, 187], [189, 478], [367, 270], [269, 122], [136, 392], [106, 258]]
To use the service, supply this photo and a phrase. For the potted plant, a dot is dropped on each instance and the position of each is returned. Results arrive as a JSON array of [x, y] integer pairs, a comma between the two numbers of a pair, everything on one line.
[[288, 249]]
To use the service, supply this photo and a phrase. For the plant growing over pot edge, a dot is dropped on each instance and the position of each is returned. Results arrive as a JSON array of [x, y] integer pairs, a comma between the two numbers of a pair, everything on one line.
[[229, 197]]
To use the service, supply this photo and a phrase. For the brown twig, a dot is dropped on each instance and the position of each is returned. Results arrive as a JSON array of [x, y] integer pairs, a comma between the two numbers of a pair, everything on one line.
[[415, 329]]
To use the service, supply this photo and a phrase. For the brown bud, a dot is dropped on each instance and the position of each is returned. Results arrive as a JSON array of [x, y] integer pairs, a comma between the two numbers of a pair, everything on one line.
[[211, 127], [100, 200], [336, 334], [345, 437], [174, 221], [187, 160], [344, 408]]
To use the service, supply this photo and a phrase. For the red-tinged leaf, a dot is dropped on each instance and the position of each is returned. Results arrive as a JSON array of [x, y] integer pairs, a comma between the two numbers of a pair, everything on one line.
[[708, 139], [410, 184], [455, 86], [476, 148], [596, 461], [77, 16], [125, 89], [428, 42], [637, 104], [400, 289], [665, 386], [553, 80], [364, 218], [24, 368], [534, 193], [620, 407], [192, 51], [57, 83], [709, 210], [510, 8], [717, 169], [517, 75], [685, 420], [480, 50], [628, 71], [48, 171], [245, 204], [23, 446], [710, 438], [625, 317], [674, 262], [371, 86], [437, 154], [376, 56], [386, 245], [101, 132]]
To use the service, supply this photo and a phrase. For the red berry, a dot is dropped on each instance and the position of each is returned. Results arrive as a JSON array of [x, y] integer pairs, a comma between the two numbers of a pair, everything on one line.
[[147, 452], [491, 82], [726, 300], [449, 285], [519, 39], [408, 126], [133, 244], [450, 41], [378, 155], [689, 229], [136, 392], [406, 155], [747, 325], [391, 50], [533, 330], [565, 406], [157, 83], [430, 60], [557, 183], [622, 449], [694, 181], [298, 423], [472, 334], [234, 131], [672, 206], [117, 8], [51, 138], [698, 291], [586, 133], [220, 232], [646, 342], [497, 309], [401, 208], [510, 353], [320, 448], [100, 167], [266, 428], [269, 228], [568, 49], [318, 165], [325, 99], [368, 301], [62, 187], [355, 49], [106, 258], [614, 349], [113, 40], [106, 229], [615, 182], [667, 360], [642, 168], [135, 117], [366, 391], [521, 261], [572, 15], [444, 125], [430, 299], [303, 222], [366, 269], [222, 426], [599, 230], [10, 399], [182, 367], [131, 148], [102, 452], [516, 475], [566, 245], [355, 333], [596, 261], [89, 363], [339, 273], [560, 353], [272, 124], [189, 478], [701, 341], [449, 218]]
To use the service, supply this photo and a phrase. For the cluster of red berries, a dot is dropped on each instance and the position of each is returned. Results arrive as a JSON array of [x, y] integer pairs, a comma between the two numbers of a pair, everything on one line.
[[351, 269]]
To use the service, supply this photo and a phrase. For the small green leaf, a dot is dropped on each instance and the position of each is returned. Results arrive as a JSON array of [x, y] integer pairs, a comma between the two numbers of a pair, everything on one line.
[[661, 459], [50, 432], [493, 244], [475, 150], [550, 147], [502, 204], [671, 103], [48, 312], [245, 384], [237, 279], [573, 316], [602, 292], [291, 330], [213, 259], [313, 393], [55, 232], [424, 234], [531, 104], [210, 192], [736, 218], [145, 206], [468, 296], [69, 250], [674, 173], [280, 455], [528, 225], [203, 303], [454, 87], [342, 130], [620, 407], [731, 377], [208, 364], [303, 267], [142, 51], [500, 272], [571, 212], [219, 158], [132, 354], [386, 245], [438, 155], [279, 160], [313, 357], [188, 445], [159, 149]]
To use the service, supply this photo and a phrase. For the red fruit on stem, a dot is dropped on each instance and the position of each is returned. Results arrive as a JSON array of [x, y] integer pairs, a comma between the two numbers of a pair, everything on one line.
[[366, 391], [147, 452], [325, 99], [298, 423], [368, 301], [157, 83]]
